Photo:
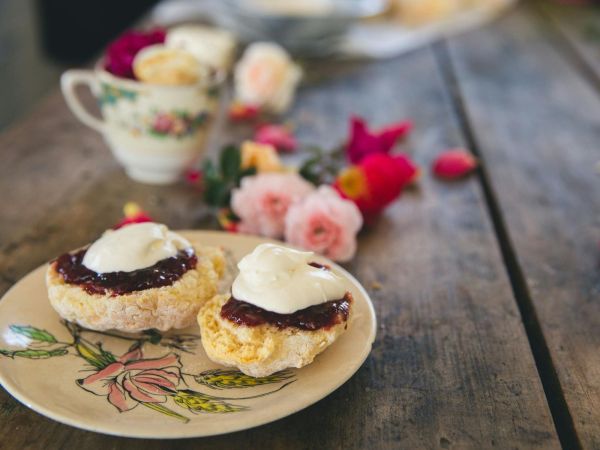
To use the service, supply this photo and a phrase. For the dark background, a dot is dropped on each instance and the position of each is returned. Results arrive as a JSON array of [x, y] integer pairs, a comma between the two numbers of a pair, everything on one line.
[[39, 39]]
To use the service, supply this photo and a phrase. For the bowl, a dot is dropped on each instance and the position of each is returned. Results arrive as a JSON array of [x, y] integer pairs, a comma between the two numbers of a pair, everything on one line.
[[303, 27]]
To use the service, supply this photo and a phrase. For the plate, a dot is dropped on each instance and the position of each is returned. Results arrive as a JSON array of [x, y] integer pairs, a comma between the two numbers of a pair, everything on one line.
[[43, 362]]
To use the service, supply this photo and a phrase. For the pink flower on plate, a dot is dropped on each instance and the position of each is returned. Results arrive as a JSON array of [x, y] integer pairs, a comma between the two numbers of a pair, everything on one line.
[[132, 380], [325, 223], [262, 201]]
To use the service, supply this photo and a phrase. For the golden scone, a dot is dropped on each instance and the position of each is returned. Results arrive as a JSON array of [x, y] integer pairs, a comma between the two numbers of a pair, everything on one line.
[[158, 64], [260, 350], [173, 306]]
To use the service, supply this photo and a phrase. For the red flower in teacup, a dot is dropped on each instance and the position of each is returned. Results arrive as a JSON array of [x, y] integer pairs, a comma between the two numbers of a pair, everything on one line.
[[325, 223], [364, 142], [121, 52], [376, 182], [132, 380]]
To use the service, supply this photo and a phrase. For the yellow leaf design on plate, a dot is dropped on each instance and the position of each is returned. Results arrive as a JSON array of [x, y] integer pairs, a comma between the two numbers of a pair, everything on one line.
[[233, 379], [198, 402]]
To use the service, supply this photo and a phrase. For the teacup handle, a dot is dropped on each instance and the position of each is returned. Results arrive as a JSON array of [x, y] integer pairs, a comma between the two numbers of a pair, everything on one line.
[[68, 81]]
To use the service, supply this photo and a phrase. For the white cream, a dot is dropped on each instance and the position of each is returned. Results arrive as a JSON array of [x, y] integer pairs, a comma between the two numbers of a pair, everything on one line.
[[133, 247], [280, 280]]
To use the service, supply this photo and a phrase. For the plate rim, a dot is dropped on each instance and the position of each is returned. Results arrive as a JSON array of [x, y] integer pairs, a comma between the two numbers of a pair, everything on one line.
[[35, 406]]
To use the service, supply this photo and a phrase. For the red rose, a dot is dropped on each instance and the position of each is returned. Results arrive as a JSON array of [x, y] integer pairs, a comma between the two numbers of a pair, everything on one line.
[[376, 182], [120, 53], [364, 142]]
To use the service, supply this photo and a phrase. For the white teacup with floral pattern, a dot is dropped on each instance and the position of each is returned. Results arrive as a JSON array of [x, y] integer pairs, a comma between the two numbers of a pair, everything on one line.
[[154, 131]]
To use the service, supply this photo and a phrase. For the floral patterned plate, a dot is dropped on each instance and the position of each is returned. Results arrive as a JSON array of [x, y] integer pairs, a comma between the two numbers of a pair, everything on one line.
[[157, 385]]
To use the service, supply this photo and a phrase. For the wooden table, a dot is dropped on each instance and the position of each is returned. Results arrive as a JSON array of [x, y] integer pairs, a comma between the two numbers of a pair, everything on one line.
[[487, 290]]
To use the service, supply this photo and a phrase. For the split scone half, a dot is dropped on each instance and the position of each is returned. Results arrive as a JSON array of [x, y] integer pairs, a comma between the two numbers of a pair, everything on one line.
[[264, 349], [164, 307], [284, 309]]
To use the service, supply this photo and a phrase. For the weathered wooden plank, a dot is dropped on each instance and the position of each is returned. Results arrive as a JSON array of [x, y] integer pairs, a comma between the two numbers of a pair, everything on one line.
[[536, 121], [451, 366], [581, 28], [44, 158]]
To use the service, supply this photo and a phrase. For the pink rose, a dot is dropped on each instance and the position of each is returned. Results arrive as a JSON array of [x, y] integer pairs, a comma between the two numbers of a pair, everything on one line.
[[262, 201], [325, 223], [279, 136]]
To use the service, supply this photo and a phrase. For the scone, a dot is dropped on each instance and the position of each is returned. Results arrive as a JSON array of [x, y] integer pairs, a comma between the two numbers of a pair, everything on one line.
[[264, 349], [174, 279], [292, 311], [159, 64]]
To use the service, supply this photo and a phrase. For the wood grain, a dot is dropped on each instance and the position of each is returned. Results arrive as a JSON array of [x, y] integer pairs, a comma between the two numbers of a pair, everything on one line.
[[536, 122], [45, 158]]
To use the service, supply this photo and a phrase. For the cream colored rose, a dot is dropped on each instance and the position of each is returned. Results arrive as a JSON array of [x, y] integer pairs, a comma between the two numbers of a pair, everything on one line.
[[211, 46], [266, 77]]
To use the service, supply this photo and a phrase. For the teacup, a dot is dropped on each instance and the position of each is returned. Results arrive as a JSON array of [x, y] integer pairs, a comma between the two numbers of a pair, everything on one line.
[[154, 131]]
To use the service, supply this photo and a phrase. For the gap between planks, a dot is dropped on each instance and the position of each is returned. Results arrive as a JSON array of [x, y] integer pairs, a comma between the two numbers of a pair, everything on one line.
[[561, 416]]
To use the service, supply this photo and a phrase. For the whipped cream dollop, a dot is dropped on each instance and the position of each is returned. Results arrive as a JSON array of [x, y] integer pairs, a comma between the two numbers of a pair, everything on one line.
[[133, 247], [280, 280]]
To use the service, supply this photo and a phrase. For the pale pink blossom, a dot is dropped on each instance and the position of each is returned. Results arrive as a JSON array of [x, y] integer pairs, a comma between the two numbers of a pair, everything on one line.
[[262, 201], [324, 223]]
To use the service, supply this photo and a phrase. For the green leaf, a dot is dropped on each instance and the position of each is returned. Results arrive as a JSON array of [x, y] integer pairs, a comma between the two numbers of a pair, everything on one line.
[[216, 193], [40, 354], [209, 170], [310, 171], [213, 92], [244, 173], [33, 333], [94, 354], [231, 160]]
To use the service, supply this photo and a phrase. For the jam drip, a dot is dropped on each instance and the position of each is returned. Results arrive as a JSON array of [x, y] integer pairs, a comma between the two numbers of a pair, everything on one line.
[[163, 273], [312, 318]]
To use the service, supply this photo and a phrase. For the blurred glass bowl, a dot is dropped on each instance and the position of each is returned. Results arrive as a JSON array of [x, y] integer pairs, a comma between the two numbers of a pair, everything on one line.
[[303, 27]]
